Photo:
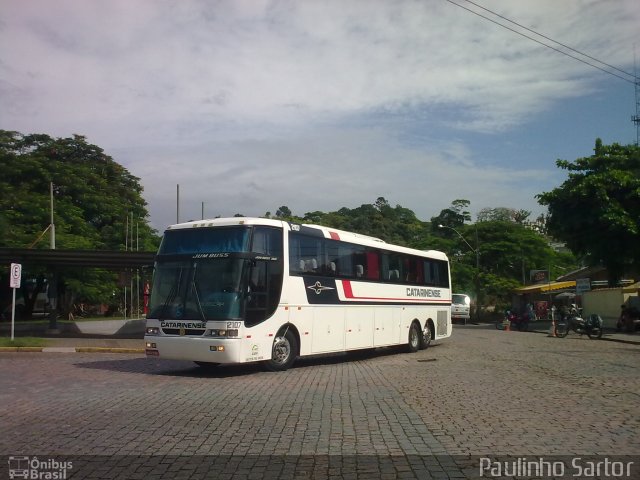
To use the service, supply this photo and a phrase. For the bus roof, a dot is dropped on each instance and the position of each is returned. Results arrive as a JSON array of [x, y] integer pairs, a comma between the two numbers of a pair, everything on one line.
[[225, 222], [326, 232]]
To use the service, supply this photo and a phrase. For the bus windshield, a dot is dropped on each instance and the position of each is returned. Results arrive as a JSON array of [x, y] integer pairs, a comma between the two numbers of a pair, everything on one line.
[[205, 240], [198, 289]]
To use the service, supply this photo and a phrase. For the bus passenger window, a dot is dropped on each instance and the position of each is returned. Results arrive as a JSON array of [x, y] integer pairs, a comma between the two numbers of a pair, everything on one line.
[[373, 265]]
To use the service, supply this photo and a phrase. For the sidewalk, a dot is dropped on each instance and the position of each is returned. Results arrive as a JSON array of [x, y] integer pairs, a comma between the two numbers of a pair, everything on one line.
[[543, 326]]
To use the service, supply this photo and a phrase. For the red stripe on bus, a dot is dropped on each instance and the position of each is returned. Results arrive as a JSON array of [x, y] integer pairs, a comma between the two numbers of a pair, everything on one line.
[[346, 285], [334, 235], [348, 293]]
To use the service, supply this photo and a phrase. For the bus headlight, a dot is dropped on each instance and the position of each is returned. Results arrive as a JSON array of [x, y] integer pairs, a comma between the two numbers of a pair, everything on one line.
[[153, 331], [223, 333]]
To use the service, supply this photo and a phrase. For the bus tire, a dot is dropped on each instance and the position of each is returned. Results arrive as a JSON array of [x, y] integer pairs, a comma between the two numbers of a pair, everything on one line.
[[427, 336], [283, 352], [414, 337]]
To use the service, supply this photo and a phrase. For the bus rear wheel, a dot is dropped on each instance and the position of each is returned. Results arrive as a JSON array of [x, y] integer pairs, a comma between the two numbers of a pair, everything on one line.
[[414, 338], [283, 352], [427, 336]]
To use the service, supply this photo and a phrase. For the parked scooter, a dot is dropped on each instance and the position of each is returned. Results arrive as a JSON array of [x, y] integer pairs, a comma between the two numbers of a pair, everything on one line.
[[591, 326]]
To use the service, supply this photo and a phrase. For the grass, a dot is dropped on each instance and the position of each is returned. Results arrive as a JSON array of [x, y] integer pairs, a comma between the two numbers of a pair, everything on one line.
[[23, 342]]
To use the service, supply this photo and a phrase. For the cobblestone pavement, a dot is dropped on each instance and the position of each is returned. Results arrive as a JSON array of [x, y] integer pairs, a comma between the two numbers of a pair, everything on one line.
[[383, 414]]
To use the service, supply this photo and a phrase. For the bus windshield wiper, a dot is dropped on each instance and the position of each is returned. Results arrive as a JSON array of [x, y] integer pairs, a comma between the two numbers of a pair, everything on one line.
[[170, 297], [194, 287]]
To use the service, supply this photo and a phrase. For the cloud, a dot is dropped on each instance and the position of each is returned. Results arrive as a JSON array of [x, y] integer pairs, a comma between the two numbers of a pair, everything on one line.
[[253, 104], [325, 171], [230, 60]]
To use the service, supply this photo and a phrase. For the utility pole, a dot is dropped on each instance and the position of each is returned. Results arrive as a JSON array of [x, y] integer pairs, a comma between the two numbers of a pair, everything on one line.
[[636, 118], [52, 293], [53, 225], [477, 275]]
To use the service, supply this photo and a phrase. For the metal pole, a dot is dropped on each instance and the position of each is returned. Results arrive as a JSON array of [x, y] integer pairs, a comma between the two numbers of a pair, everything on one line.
[[53, 316], [477, 275], [178, 203], [131, 271], [137, 274], [126, 249], [53, 226], [13, 313]]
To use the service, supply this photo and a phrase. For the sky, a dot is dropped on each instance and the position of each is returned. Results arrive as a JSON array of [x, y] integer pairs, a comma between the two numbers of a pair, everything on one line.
[[249, 105]]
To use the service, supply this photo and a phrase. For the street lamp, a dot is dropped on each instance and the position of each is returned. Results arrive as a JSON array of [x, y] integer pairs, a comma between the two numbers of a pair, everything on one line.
[[477, 252]]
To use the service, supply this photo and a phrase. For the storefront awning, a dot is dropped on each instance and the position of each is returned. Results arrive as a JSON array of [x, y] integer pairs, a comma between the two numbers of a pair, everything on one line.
[[545, 287]]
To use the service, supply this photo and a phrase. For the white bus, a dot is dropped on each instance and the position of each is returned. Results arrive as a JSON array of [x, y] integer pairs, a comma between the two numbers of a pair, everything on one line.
[[234, 290]]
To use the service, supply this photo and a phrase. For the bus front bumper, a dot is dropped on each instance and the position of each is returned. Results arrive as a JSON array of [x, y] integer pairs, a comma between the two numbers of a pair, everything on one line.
[[196, 349]]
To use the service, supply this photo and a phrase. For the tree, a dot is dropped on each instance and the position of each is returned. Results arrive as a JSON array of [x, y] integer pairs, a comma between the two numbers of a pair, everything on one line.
[[454, 216], [283, 212], [596, 211], [503, 214], [392, 224], [95, 200], [94, 196]]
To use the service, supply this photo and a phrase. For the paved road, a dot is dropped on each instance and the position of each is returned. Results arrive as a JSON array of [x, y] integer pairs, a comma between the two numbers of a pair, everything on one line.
[[383, 415]]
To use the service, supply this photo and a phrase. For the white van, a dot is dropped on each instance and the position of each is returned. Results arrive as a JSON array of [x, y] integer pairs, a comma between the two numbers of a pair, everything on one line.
[[460, 307]]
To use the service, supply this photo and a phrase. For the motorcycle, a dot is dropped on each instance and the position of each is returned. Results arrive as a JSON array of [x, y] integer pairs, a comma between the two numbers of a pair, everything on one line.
[[591, 326], [519, 322]]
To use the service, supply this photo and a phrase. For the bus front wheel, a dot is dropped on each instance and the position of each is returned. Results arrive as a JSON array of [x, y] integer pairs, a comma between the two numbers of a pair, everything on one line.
[[283, 352]]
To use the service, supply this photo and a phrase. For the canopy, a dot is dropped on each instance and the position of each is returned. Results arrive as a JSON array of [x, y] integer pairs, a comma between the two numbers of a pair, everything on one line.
[[545, 287]]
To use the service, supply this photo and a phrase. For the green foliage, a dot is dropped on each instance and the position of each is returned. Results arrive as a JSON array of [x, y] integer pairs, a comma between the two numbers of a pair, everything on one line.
[[392, 224], [94, 197], [96, 204], [507, 252], [455, 216], [283, 212], [596, 211], [503, 214]]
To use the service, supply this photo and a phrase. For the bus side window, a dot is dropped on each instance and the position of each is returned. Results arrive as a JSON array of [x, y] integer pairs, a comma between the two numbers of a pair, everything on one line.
[[395, 272], [345, 265], [435, 273], [373, 265]]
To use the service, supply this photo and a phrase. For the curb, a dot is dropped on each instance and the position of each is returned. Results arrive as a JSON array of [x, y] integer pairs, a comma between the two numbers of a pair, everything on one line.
[[71, 350]]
